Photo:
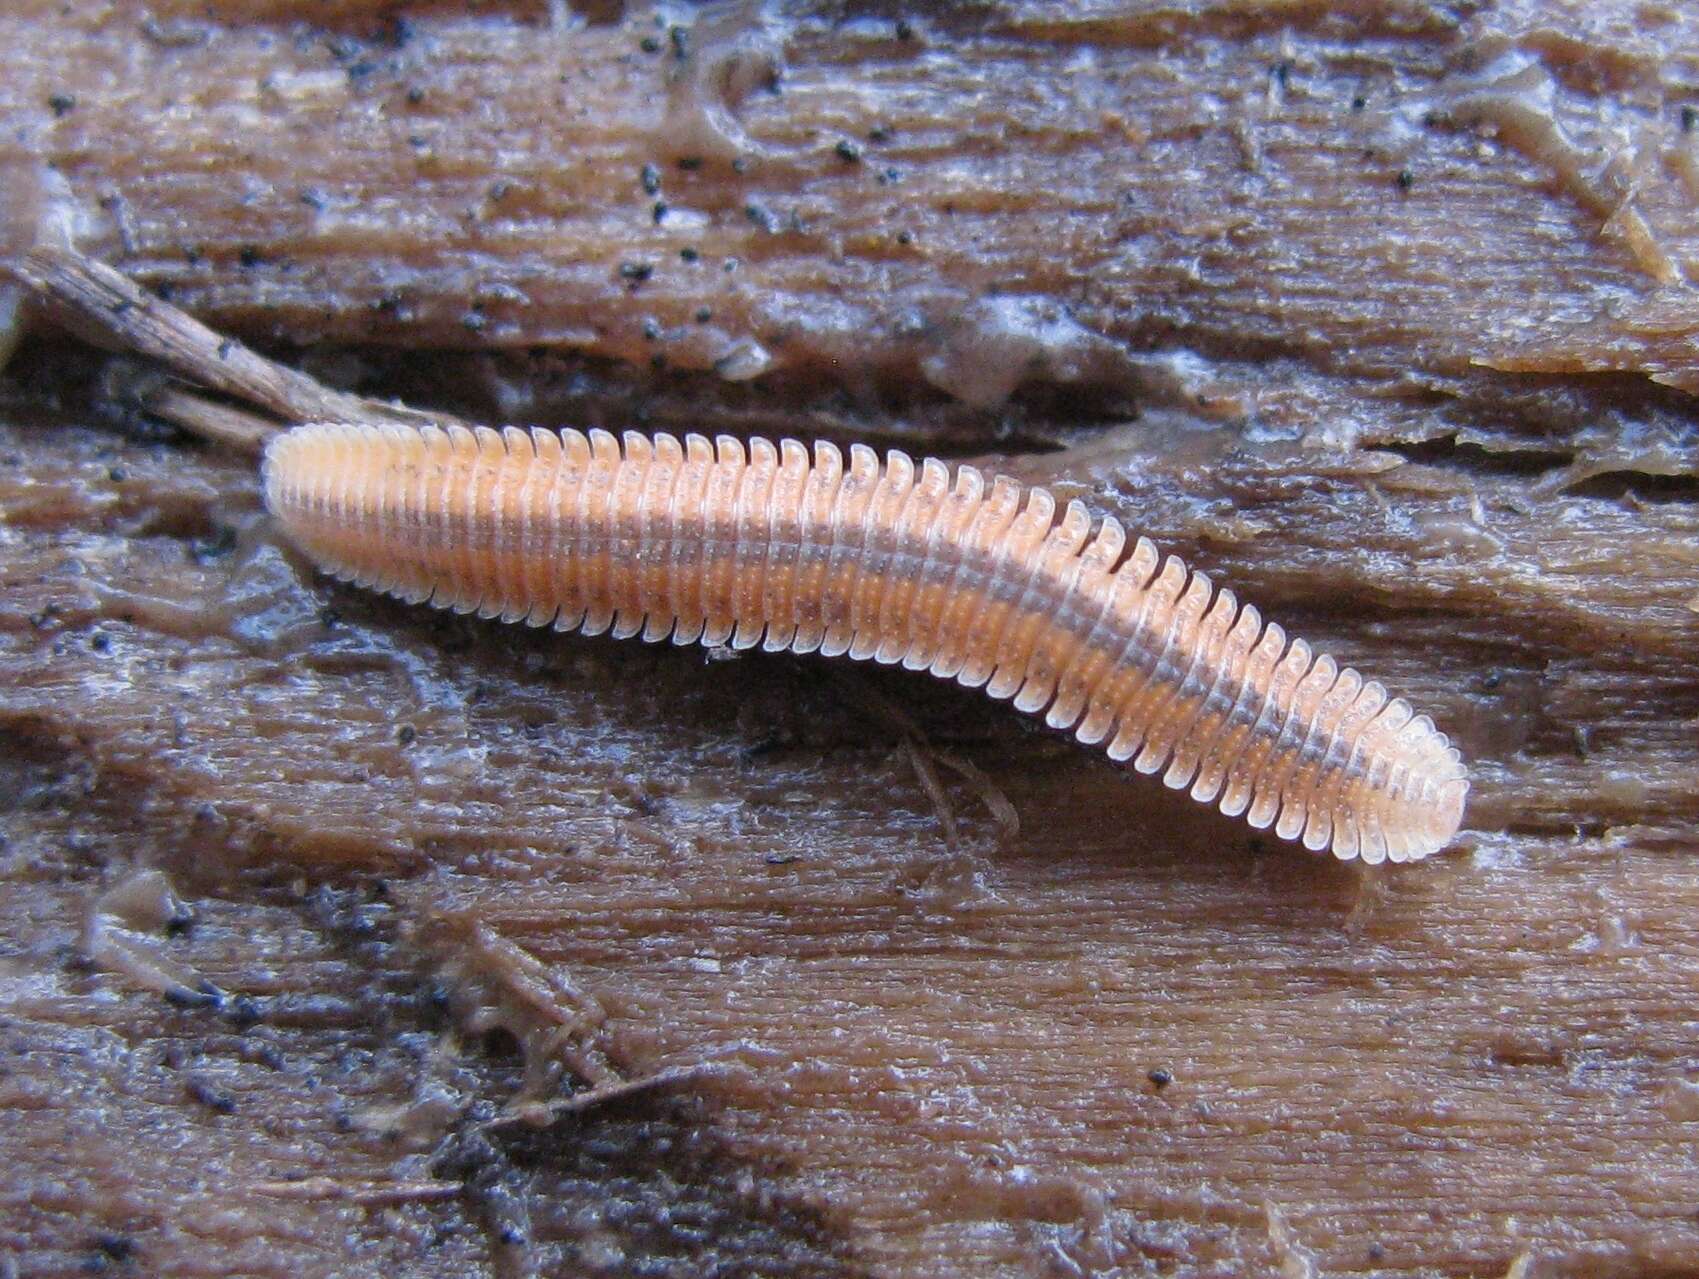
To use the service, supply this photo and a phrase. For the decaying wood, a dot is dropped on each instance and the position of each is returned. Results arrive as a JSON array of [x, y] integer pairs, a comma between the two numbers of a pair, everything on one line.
[[1384, 317]]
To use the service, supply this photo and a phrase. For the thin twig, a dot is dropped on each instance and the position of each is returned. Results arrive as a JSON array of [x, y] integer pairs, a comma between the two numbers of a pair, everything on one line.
[[922, 756], [111, 310], [1002, 811], [540, 1114], [224, 424], [371, 1194]]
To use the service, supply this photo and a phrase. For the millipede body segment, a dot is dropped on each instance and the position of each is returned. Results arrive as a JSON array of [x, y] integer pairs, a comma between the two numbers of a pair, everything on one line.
[[932, 566]]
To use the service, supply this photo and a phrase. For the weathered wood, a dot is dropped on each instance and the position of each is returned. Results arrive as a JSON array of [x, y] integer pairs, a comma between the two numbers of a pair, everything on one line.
[[1130, 1036]]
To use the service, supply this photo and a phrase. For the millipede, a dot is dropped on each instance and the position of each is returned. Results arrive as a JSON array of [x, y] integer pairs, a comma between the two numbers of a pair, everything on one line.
[[931, 566]]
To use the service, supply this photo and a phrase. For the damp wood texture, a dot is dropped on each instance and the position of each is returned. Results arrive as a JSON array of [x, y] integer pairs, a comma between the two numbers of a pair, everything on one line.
[[344, 937], [976, 582]]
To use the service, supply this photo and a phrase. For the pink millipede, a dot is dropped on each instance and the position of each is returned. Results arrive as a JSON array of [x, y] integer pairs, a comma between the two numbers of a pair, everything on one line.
[[930, 565]]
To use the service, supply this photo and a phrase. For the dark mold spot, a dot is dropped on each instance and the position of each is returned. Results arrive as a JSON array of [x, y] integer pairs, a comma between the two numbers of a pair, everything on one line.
[[200, 1091], [244, 1012], [111, 1247]]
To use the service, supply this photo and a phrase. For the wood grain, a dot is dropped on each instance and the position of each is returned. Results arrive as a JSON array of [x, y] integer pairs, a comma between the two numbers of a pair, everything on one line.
[[1410, 374]]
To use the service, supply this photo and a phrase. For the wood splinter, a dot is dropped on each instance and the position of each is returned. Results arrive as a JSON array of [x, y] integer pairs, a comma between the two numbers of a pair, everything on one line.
[[929, 566]]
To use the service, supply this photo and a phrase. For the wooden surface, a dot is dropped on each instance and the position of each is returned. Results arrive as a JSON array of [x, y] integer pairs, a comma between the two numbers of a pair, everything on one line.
[[447, 875]]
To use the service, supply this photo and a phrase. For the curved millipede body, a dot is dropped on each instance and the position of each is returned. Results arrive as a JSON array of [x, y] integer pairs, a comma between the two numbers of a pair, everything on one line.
[[931, 566]]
